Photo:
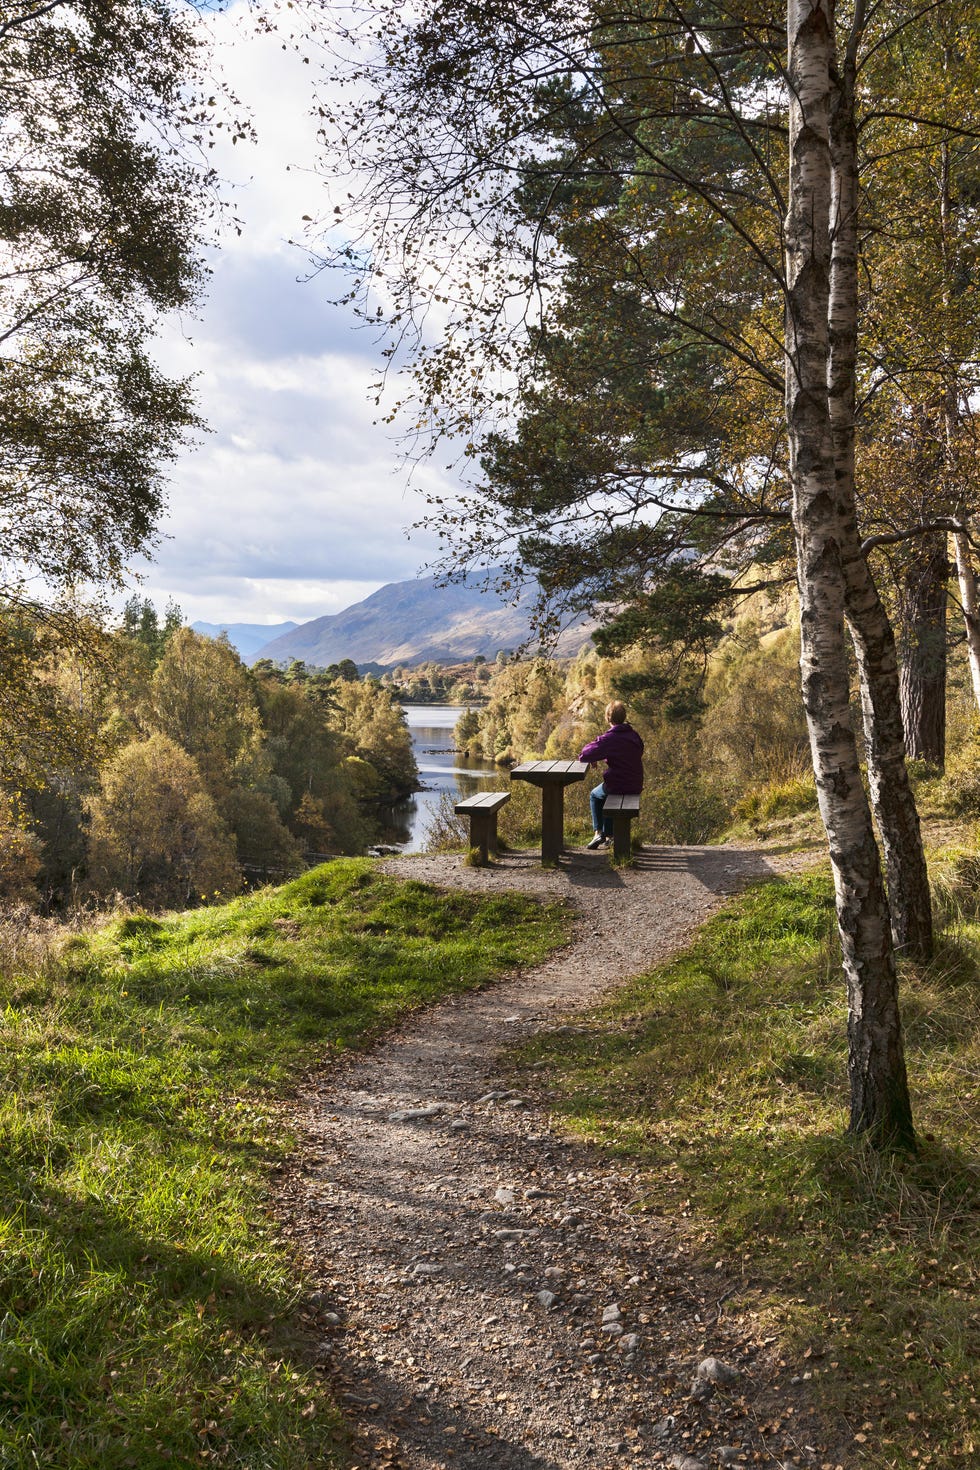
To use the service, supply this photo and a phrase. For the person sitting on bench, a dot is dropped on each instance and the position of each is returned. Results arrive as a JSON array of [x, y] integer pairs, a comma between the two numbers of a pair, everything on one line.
[[622, 750]]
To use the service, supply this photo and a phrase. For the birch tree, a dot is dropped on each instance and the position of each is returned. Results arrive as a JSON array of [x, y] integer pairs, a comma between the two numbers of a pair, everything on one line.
[[106, 193], [106, 189], [821, 325], [694, 117]]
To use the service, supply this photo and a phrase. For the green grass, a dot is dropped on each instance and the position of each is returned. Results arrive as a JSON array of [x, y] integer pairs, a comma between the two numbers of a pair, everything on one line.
[[724, 1074], [789, 797], [148, 1314]]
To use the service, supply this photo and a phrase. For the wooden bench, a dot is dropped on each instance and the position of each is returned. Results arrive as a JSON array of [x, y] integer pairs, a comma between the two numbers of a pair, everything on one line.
[[622, 809], [482, 811]]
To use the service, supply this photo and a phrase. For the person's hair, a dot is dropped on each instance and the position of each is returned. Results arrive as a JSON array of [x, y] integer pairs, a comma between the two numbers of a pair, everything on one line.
[[616, 712]]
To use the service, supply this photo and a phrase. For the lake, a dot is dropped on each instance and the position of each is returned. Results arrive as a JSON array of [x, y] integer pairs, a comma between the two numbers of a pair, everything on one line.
[[440, 769]]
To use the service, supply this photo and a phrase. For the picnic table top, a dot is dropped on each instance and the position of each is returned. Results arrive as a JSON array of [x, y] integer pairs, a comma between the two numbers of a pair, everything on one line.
[[550, 770]]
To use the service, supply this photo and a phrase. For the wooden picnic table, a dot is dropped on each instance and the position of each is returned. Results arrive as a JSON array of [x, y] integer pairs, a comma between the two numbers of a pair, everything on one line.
[[552, 777]]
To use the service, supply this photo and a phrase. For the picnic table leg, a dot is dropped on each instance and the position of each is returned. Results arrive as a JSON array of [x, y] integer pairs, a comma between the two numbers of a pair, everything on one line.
[[621, 835], [552, 823]]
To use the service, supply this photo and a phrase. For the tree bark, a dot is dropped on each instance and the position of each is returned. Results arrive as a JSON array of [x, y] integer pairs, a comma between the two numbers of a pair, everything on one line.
[[923, 680], [910, 902], [880, 1103], [967, 579]]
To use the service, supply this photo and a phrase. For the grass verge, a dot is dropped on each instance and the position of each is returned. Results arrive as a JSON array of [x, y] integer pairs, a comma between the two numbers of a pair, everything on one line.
[[724, 1074], [148, 1315]]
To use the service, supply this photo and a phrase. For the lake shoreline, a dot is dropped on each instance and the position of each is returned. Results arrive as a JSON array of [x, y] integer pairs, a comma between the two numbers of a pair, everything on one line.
[[444, 770]]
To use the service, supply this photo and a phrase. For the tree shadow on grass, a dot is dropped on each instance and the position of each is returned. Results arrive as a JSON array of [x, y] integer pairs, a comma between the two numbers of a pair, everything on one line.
[[122, 1347]]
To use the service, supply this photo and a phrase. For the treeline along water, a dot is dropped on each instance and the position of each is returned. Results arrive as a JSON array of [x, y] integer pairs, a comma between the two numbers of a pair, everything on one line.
[[441, 769]]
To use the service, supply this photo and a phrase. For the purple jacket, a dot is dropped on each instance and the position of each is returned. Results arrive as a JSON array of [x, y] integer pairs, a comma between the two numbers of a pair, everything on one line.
[[622, 750]]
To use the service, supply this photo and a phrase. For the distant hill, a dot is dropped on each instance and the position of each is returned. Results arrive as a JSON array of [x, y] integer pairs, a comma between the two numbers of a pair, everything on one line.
[[413, 623], [247, 638]]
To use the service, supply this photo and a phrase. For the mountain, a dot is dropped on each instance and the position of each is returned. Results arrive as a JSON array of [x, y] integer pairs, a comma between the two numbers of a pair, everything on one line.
[[413, 623], [245, 638]]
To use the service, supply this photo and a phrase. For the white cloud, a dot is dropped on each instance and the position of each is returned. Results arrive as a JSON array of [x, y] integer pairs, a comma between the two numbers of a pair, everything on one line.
[[236, 599], [295, 503]]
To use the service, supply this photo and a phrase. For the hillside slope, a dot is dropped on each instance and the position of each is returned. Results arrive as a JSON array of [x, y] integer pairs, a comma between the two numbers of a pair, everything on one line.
[[416, 622]]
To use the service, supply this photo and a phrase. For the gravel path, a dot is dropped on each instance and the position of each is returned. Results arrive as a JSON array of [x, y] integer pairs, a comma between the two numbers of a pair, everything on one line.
[[490, 1297]]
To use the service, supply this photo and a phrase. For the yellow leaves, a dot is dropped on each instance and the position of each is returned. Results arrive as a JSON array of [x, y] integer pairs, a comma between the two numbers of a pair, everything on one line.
[[49, 659], [154, 830]]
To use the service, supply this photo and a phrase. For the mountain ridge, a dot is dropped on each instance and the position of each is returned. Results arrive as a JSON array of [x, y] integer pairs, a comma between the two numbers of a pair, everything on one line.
[[245, 638], [415, 622]]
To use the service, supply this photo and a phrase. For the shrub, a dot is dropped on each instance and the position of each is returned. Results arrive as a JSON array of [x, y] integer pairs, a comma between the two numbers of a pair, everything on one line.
[[261, 839], [445, 831], [754, 721], [467, 730], [687, 807], [958, 794], [29, 945]]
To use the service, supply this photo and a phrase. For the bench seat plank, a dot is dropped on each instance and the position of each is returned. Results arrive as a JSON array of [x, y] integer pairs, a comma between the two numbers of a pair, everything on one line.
[[630, 804], [483, 801]]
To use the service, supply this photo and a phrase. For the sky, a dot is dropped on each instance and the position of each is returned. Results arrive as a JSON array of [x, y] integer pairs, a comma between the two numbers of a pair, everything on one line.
[[296, 502]]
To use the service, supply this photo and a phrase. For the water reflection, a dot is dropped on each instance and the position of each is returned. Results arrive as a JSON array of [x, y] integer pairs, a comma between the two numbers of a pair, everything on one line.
[[441, 768]]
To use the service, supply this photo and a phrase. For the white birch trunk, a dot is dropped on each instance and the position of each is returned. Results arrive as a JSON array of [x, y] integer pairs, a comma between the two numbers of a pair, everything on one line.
[[910, 903], [967, 579], [879, 1091]]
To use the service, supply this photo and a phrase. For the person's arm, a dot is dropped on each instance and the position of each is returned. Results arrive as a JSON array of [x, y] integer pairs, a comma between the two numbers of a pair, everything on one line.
[[592, 753]]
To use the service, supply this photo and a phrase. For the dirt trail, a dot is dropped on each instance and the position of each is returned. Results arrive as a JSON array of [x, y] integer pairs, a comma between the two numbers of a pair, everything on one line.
[[470, 1253]]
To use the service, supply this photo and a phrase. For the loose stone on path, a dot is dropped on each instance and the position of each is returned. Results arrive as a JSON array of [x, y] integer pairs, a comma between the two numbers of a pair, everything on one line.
[[486, 1279]]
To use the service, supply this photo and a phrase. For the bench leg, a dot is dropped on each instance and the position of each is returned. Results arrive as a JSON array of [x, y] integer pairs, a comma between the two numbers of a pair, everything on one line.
[[483, 834], [621, 834]]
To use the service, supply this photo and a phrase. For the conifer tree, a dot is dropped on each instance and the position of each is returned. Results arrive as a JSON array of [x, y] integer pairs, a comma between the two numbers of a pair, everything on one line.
[[685, 123]]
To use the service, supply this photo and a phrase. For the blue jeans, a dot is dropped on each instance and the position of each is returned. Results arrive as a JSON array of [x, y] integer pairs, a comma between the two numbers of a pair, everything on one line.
[[597, 800]]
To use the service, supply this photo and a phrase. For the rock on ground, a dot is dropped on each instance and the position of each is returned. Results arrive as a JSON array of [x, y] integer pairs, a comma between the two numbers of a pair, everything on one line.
[[468, 1270]]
